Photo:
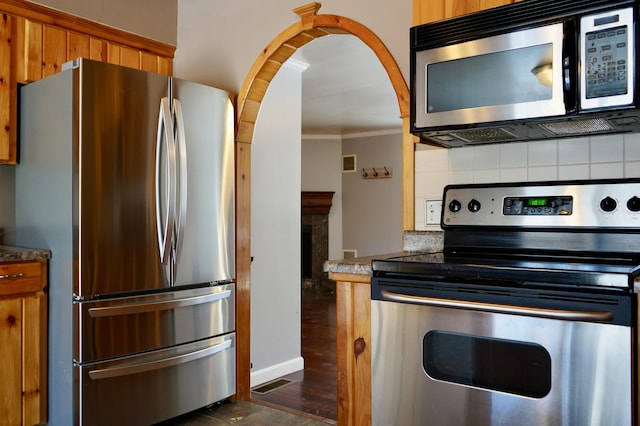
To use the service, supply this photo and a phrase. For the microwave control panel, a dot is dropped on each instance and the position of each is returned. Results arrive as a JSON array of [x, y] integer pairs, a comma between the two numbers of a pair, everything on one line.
[[608, 62]]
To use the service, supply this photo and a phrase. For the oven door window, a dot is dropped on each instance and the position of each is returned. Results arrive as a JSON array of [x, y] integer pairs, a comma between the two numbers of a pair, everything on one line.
[[520, 368]]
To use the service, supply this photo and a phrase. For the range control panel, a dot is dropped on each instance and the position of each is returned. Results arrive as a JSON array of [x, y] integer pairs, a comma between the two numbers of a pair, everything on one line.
[[568, 204]]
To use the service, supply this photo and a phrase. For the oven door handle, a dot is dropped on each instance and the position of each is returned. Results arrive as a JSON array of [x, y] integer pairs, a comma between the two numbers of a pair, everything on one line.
[[558, 314]]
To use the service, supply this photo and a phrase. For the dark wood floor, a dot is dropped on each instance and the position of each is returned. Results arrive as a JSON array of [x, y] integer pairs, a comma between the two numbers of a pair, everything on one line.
[[313, 390]]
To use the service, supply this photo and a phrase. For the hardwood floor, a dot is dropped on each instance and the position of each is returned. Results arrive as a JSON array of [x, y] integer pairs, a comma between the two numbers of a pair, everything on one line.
[[313, 390]]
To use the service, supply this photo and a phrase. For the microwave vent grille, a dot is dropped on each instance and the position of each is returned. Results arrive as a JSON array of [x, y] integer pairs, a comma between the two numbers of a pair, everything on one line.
[[576, 127], [487, 135]]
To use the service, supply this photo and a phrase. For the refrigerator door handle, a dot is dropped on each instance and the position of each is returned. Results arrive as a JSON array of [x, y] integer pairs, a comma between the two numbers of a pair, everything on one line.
[[137, 308], [181, 152], [165, 229], [108, 373]]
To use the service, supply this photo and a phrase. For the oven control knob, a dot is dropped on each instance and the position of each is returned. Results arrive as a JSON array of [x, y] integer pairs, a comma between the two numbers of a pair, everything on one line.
[[634, 204], [455, 206], [608, 204], [474, 206]]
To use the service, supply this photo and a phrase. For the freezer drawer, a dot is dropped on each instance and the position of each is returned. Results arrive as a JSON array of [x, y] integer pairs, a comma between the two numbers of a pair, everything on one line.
[[128, 325], [148, 388]]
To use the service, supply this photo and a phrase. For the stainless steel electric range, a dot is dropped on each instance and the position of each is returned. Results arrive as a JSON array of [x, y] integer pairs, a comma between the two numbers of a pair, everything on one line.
[[528, 316]]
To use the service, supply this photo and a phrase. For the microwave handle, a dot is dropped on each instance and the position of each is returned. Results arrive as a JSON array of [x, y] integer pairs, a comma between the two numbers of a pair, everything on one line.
[[570, 58]]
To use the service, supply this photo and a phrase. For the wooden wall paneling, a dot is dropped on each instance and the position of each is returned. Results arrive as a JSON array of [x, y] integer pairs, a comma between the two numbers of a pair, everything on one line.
[[165, 65], [97, 49], [435, 10], [28, 50], [78, 46], [148, 62], [113, 53], [6, 78], [54, 50], [129, 57], [47, 15]]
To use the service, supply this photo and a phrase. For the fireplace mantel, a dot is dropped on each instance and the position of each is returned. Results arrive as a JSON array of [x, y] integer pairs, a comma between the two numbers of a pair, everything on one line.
[[316, 202]]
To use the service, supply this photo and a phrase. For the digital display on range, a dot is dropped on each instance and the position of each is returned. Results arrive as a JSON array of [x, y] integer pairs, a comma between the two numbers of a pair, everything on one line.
[[538, 206], [537, 202]]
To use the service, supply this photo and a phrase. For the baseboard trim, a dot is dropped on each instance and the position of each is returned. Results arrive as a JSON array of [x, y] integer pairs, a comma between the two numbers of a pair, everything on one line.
[[272, 372]]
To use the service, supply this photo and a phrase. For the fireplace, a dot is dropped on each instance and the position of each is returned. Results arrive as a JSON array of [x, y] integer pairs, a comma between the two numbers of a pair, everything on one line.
[[315, 242]]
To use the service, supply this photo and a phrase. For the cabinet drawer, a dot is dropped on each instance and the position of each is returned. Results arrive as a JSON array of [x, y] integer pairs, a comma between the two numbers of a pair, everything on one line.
[[19, 278]]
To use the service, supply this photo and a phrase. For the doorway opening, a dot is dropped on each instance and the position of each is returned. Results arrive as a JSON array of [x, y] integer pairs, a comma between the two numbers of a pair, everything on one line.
[[310, 27]]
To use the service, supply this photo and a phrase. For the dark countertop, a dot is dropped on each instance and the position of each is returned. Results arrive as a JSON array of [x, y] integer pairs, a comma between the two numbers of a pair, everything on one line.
[[355, 265], [21, 254]]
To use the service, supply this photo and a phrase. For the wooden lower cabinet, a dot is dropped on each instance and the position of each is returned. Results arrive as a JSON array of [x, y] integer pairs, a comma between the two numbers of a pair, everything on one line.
[[353, 312], [23, 343]]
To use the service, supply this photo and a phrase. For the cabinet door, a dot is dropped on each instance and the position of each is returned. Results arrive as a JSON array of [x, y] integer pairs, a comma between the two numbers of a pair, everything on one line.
[[10, 354], [425, 11]]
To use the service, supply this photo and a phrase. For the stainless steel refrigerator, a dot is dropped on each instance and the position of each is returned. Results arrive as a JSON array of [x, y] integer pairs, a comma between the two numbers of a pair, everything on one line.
[[128, 178]]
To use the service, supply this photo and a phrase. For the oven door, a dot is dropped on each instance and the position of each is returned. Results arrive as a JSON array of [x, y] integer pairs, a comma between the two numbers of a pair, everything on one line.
[[449, 362]]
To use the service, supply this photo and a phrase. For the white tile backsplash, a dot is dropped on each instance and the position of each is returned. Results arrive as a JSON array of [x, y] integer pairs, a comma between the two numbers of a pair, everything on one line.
[[486, 157], [542, 153], [513, 155], [513, 175], [542, 173], [607, 170], [461, 159], [573, 172], [434, 185], [607, 149], [574, 151], [486, 176], [632, 147], [632, 169]]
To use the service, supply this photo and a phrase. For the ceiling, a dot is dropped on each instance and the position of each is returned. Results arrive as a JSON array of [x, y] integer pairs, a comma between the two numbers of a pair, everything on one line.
[[345, 89]]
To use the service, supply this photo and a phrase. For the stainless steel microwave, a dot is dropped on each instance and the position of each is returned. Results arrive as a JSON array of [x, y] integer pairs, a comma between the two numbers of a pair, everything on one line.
[[536, 69]]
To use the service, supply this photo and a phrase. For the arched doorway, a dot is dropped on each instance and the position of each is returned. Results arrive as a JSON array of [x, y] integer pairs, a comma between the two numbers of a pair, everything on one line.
[[263, 70]]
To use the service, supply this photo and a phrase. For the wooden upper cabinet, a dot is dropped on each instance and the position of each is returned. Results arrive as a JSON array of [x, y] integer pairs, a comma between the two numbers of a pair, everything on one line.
[[425, 11], [36, 41]]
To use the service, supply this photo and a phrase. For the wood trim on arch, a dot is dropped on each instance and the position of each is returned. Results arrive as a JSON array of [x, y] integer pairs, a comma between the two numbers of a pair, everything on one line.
[[252, 92]]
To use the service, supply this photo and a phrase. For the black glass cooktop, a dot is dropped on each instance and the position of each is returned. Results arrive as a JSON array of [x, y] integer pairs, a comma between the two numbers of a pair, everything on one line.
[[585, 270]]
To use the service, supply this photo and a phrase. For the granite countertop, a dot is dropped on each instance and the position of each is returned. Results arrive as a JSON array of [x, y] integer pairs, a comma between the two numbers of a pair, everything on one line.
[[355, 265], [19, 254], [413, 242]]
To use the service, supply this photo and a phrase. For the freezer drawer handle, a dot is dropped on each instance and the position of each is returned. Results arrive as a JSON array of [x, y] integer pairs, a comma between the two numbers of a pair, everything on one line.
[[110, 311], [109, 373], [559, 314], [11, 276]]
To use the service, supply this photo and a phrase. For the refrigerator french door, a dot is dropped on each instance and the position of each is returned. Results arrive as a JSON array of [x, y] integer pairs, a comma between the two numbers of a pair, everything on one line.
[[127, 177]]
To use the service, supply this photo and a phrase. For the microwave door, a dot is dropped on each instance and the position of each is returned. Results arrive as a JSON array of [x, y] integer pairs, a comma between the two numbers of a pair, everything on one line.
[[505, 77]]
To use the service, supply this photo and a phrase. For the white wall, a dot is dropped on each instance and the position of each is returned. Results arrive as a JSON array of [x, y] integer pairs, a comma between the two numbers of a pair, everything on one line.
[[154, 19], [595, 157], [218, 41], [275, 231], [321, 171], [372, 208]]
